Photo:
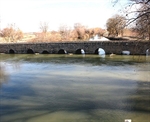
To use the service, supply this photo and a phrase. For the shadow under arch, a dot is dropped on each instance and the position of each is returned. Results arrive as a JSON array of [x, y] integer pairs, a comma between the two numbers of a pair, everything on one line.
[[80, 51], [96, 51], [62, 51], [11, 51], [30, 51], [45, 52]]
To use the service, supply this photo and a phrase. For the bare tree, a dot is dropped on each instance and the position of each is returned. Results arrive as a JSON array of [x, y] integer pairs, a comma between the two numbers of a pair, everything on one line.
[[140, 16], [142, 21], [99, 31], [44, 27], [143, 26], [64, 31], [81, 31], [115, 25], [12, 33]]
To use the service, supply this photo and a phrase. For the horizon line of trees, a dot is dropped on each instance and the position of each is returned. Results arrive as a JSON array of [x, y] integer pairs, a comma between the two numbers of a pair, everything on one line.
[[64, 33]]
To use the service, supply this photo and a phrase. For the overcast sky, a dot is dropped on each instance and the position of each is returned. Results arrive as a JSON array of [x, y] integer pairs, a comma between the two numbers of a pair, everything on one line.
[[27, 14]]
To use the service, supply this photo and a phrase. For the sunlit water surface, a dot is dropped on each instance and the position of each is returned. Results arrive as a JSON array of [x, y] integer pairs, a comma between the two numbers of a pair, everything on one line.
[[74, 88]]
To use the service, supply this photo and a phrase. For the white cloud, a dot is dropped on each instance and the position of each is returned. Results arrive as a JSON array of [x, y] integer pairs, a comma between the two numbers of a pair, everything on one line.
[[27, 14]]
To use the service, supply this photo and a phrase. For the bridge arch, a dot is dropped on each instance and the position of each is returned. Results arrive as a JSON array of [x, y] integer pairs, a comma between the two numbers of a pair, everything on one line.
[[45, 52], [100, 51], [30, 51], [125, 52], [148, 52], [11, 51], [62, 51], [80, 51]]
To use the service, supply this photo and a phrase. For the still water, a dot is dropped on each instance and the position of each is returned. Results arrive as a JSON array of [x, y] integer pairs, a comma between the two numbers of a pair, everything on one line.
[[74, 88]]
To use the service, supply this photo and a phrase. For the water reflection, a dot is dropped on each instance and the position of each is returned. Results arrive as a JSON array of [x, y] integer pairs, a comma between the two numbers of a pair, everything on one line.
[[3, 76], [73, 58], [74, 88]]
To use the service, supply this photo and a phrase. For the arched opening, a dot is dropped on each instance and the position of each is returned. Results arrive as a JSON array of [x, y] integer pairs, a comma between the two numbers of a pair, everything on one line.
[[96, 51], [62, 51], [45, 52], [100, 51], [30, 51], [80, 51], [147, 52], [125, 52], [11, 51]]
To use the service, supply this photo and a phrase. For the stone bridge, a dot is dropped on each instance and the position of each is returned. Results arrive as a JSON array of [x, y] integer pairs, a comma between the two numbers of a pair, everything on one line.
[[90, 47]]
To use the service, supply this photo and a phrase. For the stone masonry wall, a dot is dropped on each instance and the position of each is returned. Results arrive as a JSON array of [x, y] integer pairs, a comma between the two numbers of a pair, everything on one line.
[[116, 47]]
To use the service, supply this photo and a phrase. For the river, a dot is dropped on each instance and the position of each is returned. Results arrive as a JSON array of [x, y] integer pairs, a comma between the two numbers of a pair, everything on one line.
[[74, 88]]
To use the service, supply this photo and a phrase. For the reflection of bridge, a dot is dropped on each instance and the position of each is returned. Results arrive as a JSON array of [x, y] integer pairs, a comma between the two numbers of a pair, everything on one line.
[[75, 47]]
